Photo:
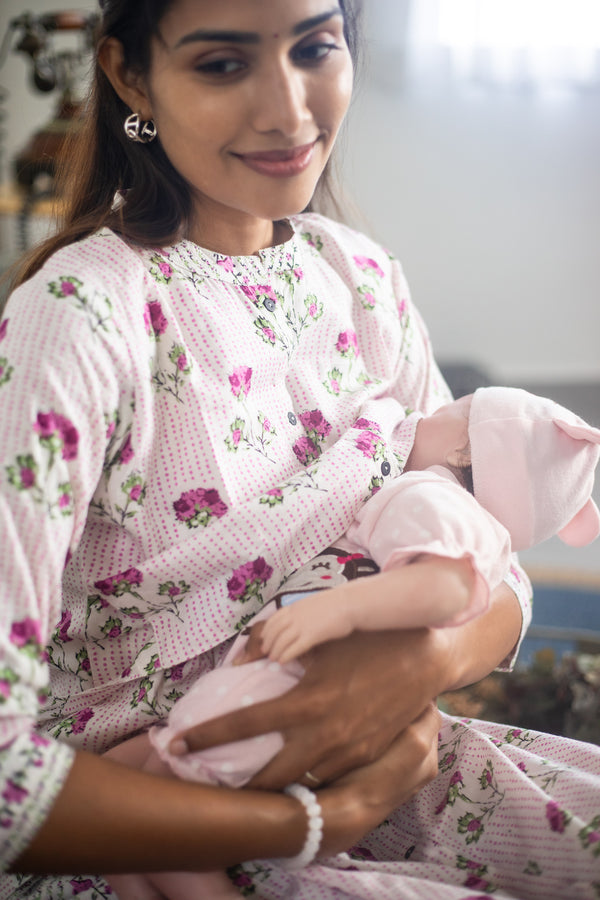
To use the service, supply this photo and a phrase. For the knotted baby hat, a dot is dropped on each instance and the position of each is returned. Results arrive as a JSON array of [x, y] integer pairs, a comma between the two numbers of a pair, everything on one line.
[[533, 466]]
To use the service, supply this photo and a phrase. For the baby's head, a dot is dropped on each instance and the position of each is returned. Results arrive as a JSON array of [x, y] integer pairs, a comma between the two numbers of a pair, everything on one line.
[[533, 465], [529, 461]]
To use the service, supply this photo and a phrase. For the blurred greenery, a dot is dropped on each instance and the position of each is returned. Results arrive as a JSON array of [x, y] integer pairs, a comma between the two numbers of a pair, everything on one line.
[[556, 696]]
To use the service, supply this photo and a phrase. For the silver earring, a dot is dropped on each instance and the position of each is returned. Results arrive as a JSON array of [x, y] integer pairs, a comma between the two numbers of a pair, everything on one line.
[[138, 131]]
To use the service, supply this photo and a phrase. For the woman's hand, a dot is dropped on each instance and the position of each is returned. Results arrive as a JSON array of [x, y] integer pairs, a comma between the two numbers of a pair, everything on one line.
[[361, 800], [359, 693], [357, 696]]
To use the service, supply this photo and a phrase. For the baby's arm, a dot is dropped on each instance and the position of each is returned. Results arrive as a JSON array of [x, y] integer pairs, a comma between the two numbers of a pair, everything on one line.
[[429, 591], [440, 554]]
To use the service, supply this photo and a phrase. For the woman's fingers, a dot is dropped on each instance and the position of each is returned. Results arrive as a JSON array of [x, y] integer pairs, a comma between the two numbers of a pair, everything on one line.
[[361, 800], [356, 696]]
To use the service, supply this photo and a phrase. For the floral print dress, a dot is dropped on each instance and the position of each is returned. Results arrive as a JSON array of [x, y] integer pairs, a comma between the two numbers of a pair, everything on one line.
[[182, 430]]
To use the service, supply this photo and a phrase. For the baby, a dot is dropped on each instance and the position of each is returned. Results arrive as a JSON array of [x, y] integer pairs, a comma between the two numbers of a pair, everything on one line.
[[530, 464]]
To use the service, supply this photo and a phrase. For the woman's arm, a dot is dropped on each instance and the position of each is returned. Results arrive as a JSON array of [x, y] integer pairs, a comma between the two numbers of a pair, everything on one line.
[[109, 817], [360, 692]]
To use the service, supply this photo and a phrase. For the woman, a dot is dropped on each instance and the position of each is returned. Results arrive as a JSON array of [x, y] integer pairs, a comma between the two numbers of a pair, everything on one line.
[[200, 386]]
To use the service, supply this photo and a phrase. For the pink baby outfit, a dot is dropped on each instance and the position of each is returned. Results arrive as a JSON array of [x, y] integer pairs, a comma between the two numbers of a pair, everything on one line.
[[533, 466], [160, 478]]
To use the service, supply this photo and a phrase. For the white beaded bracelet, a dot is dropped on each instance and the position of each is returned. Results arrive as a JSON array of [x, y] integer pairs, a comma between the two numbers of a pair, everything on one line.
[[315, 827]]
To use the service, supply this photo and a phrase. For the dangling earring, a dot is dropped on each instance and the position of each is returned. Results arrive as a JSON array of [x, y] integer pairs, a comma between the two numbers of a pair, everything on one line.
[[138, 131]]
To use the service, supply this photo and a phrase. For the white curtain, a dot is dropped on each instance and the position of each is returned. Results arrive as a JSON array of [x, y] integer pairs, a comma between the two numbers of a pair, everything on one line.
[[532, 43]]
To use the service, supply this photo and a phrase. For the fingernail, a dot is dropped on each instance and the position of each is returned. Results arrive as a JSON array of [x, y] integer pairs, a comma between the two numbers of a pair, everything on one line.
[[178, 747]]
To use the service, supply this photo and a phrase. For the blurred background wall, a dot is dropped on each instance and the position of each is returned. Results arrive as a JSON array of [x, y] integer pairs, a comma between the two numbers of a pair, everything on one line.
[[478, 166]]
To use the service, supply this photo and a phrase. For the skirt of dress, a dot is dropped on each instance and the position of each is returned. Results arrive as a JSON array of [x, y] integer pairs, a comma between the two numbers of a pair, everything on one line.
[[513, 814]]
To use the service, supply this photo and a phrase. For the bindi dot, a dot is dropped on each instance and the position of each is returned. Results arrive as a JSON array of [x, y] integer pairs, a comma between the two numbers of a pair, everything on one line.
[[275, 34]]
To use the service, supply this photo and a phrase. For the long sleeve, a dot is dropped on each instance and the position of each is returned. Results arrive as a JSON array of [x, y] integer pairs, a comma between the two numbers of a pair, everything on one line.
[[52, 442]]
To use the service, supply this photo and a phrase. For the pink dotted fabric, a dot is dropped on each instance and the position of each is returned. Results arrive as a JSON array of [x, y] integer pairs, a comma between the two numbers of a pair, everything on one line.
[[181, 430]]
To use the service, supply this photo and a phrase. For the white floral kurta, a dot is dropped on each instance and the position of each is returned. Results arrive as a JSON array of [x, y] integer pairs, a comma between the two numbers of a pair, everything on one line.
[[180, 431]]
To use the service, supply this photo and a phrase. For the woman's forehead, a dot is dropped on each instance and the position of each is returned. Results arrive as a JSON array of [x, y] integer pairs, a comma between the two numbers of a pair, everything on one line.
[[243, 20]]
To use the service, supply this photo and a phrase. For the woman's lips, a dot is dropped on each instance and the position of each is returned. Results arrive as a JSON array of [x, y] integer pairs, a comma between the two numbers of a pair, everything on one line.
[[279, 163]]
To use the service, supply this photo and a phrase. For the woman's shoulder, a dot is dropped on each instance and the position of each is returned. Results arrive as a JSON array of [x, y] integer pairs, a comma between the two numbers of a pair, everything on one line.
[[102, 258], [339, 242]]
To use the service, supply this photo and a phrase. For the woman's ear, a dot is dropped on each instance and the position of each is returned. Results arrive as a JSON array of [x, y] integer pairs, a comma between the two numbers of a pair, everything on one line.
[[127, 84]]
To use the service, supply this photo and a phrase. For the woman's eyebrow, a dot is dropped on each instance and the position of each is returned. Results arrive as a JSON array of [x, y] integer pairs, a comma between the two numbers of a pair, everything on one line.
[[251, 37], [307, 24]]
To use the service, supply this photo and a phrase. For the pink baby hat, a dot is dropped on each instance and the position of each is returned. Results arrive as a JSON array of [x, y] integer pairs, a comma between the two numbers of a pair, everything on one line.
[[533, 466]]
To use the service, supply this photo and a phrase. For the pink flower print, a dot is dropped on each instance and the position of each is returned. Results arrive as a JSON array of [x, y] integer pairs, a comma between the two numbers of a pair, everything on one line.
[[57, 432], [155, 321], [166, 269], [135, 492], [236, 585], [242, 880], [177, 672], [250, 291], [268, 335], [457, 777], [557, 818], [306, 450], [226, 263], [62, 632], [367, 443], [181, 362], [365, 263], [3, 329], [126, 451], [117, 585], [367, 424], [27, 632], [39, 740], [245, 581], [236, 436], [13, 792], [402, 307], [476, 883], [240, 381], [347, 344], [67, 288], [298, 274], [199, 506], [27, 477], [79, 885], [110, 430], [315, 422], [368, 299]]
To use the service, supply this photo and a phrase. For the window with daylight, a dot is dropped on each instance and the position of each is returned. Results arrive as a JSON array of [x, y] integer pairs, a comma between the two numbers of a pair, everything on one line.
[[525, 41]]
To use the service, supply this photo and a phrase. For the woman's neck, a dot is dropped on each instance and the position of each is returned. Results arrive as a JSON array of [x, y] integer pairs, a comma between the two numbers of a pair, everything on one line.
[[247, 238]]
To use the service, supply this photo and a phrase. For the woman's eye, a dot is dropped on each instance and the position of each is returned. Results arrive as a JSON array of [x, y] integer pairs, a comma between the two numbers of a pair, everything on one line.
[[314, 52], [220, 67]]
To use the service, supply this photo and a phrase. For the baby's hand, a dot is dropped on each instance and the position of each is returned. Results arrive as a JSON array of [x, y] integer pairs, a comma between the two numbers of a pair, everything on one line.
[[293, 630]]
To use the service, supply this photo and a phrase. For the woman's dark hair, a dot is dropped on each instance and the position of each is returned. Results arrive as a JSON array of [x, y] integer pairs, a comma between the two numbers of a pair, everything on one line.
[[100, 160]]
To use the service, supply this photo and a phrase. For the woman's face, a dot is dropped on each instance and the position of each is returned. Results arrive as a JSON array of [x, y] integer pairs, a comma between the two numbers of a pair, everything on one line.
[[248, 97]]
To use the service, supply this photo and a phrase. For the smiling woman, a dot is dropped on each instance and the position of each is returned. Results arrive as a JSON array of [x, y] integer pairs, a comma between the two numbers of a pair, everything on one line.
[[252, 105], [201, 382]]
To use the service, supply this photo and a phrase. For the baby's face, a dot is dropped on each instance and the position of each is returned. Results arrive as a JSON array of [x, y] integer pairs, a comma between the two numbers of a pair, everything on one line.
[[442, 439]]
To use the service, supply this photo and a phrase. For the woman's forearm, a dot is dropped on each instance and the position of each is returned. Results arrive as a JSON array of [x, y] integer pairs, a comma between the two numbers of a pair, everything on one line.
[[110, 818], [477, 647]]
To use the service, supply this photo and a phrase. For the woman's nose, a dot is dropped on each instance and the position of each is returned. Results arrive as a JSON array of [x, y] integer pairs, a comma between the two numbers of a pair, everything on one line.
[[282, 102]]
